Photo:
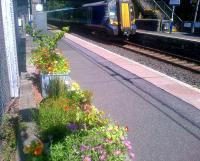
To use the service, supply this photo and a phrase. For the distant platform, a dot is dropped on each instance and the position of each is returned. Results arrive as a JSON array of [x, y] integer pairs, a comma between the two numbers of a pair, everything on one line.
[[175, 35]]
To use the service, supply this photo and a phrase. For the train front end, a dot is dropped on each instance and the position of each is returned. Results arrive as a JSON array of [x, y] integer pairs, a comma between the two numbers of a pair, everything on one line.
[[121, 17]]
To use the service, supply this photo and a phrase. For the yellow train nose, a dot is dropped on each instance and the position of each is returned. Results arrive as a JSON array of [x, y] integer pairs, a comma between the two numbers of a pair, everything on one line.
[[125, 15]]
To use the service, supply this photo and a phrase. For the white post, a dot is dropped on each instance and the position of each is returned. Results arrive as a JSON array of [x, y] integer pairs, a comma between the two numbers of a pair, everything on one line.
[[11, 46], [195, 16], [172, 20]]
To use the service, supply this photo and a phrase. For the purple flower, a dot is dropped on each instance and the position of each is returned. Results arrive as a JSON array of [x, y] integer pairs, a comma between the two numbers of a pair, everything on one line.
[[87, 158], [73, 127], [84, 147]]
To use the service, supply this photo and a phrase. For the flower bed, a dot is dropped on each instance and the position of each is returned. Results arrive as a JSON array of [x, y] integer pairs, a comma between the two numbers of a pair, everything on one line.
[[70, 126], [74, 129]]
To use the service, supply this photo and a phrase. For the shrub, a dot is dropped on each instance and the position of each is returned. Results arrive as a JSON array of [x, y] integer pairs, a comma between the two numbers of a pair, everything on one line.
[[45, 57], [104, 143], [49, 63], [53, 118]]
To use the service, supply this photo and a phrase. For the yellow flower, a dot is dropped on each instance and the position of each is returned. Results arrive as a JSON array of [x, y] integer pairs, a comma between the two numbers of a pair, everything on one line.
[[75, 86]]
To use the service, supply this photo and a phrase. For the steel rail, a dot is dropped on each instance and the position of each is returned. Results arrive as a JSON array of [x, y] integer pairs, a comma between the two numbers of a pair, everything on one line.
[[177, 60]]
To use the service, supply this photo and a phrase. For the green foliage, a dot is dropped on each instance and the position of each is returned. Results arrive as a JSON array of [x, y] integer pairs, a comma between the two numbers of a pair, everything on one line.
[[66, 29], [45, 57], [53, 118], [49, 63], [92, 143], [8, 138], [56, 88]]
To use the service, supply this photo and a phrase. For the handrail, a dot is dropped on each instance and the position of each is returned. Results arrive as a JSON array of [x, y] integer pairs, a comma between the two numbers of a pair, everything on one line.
[[169, 9], [165, 10]]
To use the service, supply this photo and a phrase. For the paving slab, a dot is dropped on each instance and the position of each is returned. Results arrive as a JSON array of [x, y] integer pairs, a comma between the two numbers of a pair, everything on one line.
[[162, 127]]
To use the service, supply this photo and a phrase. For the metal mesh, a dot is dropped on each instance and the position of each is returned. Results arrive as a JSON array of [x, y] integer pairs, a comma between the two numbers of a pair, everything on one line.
[[4, 81]]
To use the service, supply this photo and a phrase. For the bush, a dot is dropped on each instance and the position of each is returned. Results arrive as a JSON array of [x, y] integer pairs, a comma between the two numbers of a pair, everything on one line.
[[45, 57], [104, 143], [53, 118]]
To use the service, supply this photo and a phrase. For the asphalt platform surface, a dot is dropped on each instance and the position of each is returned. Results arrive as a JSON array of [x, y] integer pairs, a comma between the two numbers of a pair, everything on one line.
[[157, 132]]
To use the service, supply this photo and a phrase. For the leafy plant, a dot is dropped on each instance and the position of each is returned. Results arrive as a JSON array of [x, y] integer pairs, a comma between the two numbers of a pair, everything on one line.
[[56, 88], [45, 57], [49, 63], [53, 118], [92, 145], [8, 137]]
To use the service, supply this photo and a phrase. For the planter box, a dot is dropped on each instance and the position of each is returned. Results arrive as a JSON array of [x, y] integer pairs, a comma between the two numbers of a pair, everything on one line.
[[46, 78]]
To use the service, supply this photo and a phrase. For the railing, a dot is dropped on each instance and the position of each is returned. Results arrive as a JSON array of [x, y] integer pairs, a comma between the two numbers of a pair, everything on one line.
[[177, 20], [160, 9]]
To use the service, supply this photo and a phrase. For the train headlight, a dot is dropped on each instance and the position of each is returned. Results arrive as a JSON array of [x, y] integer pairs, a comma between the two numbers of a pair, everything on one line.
[[113, 22], [133, 21]]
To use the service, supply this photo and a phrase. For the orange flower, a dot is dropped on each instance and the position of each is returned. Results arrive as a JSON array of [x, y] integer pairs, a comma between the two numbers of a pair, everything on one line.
[[126, 128], [67, 108], [38, 151]]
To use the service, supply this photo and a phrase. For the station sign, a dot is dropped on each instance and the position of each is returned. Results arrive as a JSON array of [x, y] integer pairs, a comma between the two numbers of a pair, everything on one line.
[[174, 2]]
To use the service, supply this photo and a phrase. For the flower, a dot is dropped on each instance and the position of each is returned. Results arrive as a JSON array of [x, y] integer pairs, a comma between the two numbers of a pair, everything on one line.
[[87, 158], [117, 152], [126, 128], [67, 108], [73, 127], [102, 157], [84, 147], [132, 155], [38, 151], [75, 86]]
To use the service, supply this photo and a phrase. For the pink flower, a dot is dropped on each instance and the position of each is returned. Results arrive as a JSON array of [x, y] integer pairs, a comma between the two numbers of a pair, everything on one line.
[[126, 144], [87, 158], [102, 157], [132, 155], [129, 147], [84, 147], [122, 138], [117, 152]]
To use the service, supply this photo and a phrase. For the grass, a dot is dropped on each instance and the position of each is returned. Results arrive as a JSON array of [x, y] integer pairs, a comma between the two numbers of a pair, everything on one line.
[[8, 138]]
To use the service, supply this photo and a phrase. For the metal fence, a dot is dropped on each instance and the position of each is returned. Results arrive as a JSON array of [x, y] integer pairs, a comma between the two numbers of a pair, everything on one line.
[[9, 74], [4, 81]]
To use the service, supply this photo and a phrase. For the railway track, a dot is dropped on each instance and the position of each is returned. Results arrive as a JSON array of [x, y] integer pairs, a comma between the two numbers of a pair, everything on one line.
[[177, 60]]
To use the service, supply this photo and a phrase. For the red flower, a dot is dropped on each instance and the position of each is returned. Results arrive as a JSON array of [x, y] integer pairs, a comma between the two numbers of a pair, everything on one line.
[[38, 151]]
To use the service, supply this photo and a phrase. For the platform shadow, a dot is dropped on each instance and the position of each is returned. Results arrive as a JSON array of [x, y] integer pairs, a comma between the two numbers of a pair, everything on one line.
[[21, 55]]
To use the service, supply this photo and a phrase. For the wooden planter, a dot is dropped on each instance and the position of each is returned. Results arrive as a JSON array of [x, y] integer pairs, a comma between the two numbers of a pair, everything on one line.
[[46, 78]]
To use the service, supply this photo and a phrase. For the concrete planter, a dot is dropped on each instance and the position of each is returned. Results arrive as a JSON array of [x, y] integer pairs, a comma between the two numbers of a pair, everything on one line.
[[46, 78]]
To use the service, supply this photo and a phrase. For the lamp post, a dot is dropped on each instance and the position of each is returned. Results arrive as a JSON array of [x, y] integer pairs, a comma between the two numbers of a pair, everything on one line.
[[173, 3], [195, 16], [172, 19]]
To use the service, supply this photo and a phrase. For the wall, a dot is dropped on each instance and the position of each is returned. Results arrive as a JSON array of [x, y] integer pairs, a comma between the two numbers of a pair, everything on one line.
[[4, 81]]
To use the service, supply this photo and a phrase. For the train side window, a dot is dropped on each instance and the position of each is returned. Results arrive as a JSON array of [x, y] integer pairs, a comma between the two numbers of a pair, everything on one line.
[[112, 7]]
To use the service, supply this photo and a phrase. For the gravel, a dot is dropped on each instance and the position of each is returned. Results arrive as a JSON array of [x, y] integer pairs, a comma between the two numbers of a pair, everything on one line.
[[168, 69]]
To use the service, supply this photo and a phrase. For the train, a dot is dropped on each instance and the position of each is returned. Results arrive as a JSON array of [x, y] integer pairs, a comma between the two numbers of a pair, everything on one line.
[[113, 17]]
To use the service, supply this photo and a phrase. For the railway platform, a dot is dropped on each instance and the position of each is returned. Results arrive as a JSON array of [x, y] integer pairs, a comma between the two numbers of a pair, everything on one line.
[[174, 35], [183, 44], [163, 114]]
